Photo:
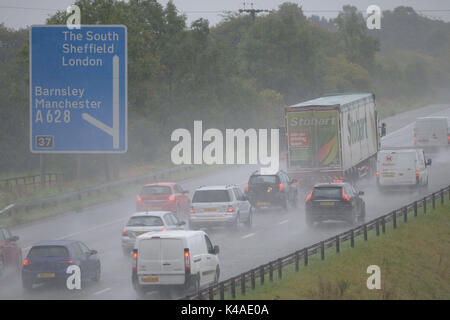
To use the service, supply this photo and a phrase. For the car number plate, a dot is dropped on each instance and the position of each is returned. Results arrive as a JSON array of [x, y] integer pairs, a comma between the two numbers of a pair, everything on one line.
[[150, 279], [46, 275], [389, 175], [209, 210], [327, 203]]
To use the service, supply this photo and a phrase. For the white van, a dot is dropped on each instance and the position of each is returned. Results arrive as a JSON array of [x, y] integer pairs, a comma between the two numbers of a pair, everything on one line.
[[402, 167], [182, 259], [431, 132]]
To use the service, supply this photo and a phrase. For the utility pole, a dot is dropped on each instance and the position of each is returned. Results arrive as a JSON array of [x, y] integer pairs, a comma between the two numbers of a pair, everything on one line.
[[252, 11]]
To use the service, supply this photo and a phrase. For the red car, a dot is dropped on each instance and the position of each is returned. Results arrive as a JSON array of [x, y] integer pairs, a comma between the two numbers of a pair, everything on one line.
[[10, 251], [163, 196]]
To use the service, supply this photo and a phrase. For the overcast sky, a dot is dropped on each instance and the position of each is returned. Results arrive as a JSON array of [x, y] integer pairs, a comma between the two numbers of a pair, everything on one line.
[[22, 13]]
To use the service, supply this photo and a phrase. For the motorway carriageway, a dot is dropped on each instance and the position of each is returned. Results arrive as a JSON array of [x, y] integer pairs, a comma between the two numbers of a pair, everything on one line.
[[273, 234]]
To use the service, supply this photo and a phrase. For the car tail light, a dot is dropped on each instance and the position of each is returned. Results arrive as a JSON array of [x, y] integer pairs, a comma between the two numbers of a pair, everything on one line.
[[163, 229], [417, 175], [281, 187], [26, 262], [308, 197], [135, 256], [187, 261], [246, 186], [139, 199], [448, 139], [172, 197], [124, 232], [415, 138], [191, 211], [378, 173], [337, 180], [346, 197], [230, 208]]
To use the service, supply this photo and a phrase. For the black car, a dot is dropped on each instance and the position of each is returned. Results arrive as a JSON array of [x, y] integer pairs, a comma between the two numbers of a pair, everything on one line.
[[334, 201], [277, 190]]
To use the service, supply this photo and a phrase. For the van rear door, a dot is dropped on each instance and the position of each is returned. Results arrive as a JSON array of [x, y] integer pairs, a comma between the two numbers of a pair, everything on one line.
[[161, 261], [398, 168]]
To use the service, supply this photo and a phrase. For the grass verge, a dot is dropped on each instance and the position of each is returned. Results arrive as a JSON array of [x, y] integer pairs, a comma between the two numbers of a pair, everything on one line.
[[414, 262]]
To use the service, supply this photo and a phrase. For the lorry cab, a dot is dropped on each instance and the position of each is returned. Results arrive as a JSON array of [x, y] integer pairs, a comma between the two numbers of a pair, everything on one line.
[[402, 168], [181, 259], [431, 132]]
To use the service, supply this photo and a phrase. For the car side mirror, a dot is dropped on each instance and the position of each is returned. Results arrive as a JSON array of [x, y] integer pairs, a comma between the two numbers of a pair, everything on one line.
[[181, 223], [92, 252], [428, 162], [293, 181], [216, 249], [361, 193], [13, 239], [383, 129]]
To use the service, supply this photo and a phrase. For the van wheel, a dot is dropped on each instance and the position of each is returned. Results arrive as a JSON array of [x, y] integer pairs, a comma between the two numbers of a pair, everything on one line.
[[217, 276], [197, 284], [98, 273]]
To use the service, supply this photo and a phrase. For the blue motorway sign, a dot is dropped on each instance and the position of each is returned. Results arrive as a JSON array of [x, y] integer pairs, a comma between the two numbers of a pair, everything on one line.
[[78, 89]]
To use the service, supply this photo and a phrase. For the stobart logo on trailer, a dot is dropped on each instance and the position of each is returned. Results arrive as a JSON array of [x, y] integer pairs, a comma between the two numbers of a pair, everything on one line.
[[213, 153]]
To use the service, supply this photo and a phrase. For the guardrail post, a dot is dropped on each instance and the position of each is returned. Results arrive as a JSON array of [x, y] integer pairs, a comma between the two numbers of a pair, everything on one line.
[[377, 227], [222, 291], [383, 225], [365, 232], [211, 293], [253, 278], [305, 256], [280, 267], [296, 261], [433, 198], [352, 238], [338, 244], [448, 189], [415, 208], [394, 219], [425, 205], [442, 197], [243, 284], [233, 288], [270, 271], [405, 214], [322, 250], [261, 275]]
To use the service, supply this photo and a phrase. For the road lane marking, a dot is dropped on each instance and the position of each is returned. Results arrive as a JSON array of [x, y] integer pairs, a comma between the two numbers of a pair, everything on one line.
[[101, 291], [248, 236], [283, 222]]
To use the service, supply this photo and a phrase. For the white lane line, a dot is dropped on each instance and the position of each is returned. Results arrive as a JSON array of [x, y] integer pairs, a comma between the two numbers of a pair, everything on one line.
[[248, 236], [88, 230], [101, 291], [283, 222]]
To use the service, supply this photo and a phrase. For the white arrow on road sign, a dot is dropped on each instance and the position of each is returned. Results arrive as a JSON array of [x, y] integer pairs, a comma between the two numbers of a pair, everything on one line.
[[114, 130]]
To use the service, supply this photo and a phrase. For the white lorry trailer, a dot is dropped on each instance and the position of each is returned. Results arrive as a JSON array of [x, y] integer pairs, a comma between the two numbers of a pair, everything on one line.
[[334, 137]]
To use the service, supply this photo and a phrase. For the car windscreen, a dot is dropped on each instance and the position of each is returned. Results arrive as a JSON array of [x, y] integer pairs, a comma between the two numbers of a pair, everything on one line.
[[48, 252], [145, 221], [211, 196], [263, 179], [327, 193], [148, 190]]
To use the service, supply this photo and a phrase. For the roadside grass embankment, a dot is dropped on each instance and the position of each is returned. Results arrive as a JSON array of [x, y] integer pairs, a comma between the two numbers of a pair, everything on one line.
[[77, 204], [414, 263]]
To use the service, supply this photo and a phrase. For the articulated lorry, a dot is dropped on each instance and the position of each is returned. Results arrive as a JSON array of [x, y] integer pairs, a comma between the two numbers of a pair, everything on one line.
[[334, 137]]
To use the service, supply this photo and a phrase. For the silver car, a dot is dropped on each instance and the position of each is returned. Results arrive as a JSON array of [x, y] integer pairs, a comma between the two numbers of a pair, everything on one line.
[[143, 222], [220, 205]]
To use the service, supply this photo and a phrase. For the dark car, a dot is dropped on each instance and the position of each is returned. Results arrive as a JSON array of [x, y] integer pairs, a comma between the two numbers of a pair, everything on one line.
[[277, 190], [334, 201], [10, 251], [48, 261]]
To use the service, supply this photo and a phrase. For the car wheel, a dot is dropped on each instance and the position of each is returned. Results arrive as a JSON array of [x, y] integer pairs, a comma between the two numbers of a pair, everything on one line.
[[235, 225], [27, 284], [2, 266], [98, 273], [362, 216], [249, 221]]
